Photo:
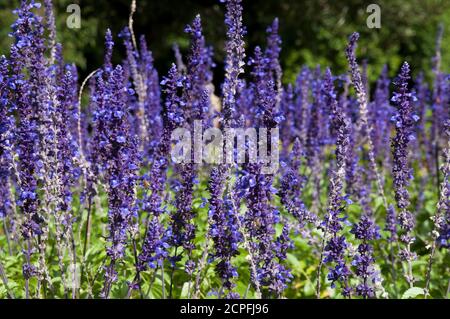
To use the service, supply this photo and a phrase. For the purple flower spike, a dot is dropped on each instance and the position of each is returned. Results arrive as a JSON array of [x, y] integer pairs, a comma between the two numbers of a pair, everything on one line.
[[224, 232], [121, 173], [199, 74], [235, 54], [363, 261], [6, 140], [404, 121], [336, 246], [273, 55]]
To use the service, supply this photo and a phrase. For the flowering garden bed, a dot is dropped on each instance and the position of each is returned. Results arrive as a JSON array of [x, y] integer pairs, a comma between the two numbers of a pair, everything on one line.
[[93, 205]]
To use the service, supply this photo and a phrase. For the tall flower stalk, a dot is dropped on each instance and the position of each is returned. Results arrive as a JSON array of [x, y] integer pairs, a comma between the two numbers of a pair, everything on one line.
[[234, 62], [404, 121], [441, 220], [365, 124], [7, 162], [334, 243], [440, 100], [314, 141], [273, 56], [156, 239], [28, 42], [120, 173], [234, 67], [302, 104]]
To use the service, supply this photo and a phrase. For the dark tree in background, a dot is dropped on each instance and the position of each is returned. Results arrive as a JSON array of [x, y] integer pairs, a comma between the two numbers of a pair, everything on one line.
[[313, 31]]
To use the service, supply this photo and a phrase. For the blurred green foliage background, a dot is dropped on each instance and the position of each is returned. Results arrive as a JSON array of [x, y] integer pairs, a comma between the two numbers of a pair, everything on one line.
[[313, 31]]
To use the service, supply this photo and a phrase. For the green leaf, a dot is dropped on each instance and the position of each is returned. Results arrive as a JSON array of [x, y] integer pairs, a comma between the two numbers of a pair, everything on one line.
[[413, 293], [185, 290], [379, 202], [293, 261], [353, 209]]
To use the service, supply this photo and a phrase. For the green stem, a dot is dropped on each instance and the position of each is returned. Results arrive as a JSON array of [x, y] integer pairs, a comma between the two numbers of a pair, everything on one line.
[[5, 282], [163, 284]]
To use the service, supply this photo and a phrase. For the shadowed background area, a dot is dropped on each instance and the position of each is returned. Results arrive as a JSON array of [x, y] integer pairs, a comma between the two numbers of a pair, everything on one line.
[[313, 31]]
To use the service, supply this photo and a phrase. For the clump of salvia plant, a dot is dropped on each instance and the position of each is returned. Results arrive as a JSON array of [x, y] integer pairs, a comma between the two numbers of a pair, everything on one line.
[[94, 205]]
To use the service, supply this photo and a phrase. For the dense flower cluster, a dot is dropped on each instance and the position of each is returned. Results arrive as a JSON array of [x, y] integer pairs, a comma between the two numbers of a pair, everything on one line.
[[364, 261], [225, 233], [292, 184], [95, 204]]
